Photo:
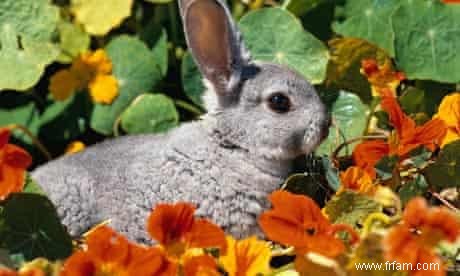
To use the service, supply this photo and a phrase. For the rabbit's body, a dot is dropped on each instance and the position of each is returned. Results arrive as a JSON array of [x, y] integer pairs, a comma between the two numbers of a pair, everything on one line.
[[122, 179], [261, 116]]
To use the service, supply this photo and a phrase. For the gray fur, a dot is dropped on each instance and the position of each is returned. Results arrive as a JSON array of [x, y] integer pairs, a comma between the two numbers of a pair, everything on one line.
[[226, 164]]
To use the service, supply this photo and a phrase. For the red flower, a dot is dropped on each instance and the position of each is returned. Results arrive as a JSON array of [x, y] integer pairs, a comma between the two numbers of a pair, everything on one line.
[[406, 136], [422, 228], [176, 229], [297, 221], [13, 164], [109, 253]]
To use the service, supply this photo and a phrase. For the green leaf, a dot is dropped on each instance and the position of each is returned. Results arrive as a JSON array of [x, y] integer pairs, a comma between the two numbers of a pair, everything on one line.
[[19, 109], [31, 226], [412, 100], [137, 72], [427, 35], [416, 187], [343, 71], [275, 35], [32, 187], [386, 166], [73, 40], [192, 80], [65, 120], [350, 208], [159, 1], [370, 20], [350, 116], [26, 30], [305, 184], [445, 172], [99, 17], [299, 7], [160, 51], [150, 114], [332, 174]]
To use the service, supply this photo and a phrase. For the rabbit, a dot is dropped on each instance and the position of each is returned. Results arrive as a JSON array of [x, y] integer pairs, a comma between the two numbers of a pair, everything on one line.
[[261, 116]]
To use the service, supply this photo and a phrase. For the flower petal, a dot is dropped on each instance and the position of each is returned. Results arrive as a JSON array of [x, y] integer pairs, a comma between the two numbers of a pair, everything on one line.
[[149, 261], [169, 223], [103, 89], [249, 257], [368, 153], [202, 265], [400, 121], [16, 157], [205, 234], [431, 133], [11, 180], [63, 84], [79, 264], [107, 246], [4, 137]]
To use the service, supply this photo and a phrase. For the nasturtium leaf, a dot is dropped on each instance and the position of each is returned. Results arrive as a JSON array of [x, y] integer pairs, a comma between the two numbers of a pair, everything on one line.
[[29, 225], [26, 32], [31, 187], [427, 35], [156, 38], [100, 16], [343, 71], [412, 100], [159, 1], [65, 120], [73, 40], [192, 80], [445, 172], [150, 113], [370, 20], [299, 7], [136, 71], [331, 173], [413, 188], [306, 184], [19, 109], [349, 115], [350, 208], [276, 35], [386, 166]]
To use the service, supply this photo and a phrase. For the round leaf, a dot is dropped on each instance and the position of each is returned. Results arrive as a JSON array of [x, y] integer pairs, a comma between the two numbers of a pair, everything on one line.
[[427, 35], [30, 226], [444, 173], [73, 41], [350, 116], [192, 80], [150, 113], [136, 71], [370, 20], [26, 29], [100, 16], [275, 35]]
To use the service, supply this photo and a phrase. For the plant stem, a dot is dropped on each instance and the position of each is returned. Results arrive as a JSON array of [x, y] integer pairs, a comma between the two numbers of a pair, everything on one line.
[[189, 107], [32, 137]]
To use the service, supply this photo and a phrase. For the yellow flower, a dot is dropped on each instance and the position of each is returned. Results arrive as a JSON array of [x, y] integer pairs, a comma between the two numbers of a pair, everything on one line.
[[449, 112], [248, 257], [74, 147], [92, 70]]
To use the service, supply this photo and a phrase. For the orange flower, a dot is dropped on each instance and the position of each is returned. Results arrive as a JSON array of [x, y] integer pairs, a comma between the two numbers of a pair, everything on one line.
[[406, 136], [13, 164], [248, 257], [297, 221], [357, 179], [381, 77], [176, 229], [92, 70], [28, 272], [201, 265], [109, 253], [449, 112], [422, 228]]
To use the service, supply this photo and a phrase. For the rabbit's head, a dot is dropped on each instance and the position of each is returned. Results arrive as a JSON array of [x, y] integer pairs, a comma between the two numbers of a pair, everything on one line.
[[264, 108]]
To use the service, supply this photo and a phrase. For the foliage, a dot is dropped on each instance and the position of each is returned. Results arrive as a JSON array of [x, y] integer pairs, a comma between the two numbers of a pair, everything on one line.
[[73, 73]]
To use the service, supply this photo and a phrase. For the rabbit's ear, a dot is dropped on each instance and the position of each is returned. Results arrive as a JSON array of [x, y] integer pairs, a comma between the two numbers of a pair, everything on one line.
[[214, 42]]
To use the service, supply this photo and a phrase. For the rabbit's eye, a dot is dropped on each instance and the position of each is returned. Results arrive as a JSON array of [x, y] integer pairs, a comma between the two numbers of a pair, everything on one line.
[[279, 103]]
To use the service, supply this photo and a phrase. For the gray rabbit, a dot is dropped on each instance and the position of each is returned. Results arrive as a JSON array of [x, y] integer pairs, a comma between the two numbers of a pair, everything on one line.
[[261, 116]]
